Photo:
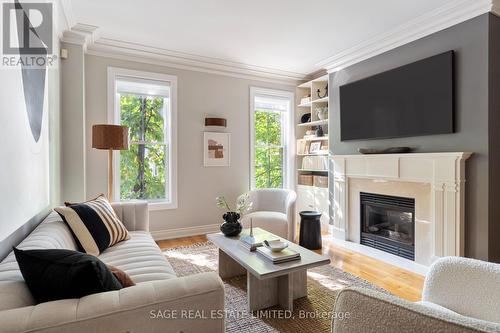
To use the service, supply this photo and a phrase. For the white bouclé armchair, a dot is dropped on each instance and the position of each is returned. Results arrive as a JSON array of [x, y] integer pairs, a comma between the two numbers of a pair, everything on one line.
[[273, 211], [460, 295]]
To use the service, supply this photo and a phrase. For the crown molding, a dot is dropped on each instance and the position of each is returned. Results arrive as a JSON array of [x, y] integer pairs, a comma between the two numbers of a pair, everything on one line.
[[441, 18], [81, 34], [118, 49], [424, 25]]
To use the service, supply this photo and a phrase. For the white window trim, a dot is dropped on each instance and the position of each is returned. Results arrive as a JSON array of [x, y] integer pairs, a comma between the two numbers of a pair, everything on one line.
[[114, 118], [288, 132]]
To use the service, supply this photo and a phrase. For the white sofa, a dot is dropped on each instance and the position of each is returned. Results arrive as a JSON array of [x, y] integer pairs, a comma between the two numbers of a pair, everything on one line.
[[272, 210], [460, 295], [141, 308]]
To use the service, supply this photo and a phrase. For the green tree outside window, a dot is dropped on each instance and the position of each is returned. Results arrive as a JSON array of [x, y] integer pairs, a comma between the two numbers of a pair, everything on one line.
[[269, 149], [143, 167]]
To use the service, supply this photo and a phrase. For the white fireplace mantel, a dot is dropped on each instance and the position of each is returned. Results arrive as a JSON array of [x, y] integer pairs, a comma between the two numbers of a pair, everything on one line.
[[445, 172]]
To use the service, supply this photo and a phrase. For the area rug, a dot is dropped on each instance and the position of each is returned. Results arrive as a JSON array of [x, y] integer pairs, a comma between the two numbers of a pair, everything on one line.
[[311, 314]]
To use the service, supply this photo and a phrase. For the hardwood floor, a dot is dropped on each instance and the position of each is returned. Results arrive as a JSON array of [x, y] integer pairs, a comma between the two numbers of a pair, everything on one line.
[[400, 282]]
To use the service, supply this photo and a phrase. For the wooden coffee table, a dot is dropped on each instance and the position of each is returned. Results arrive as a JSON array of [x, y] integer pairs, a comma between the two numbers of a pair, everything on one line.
[[268, 284]]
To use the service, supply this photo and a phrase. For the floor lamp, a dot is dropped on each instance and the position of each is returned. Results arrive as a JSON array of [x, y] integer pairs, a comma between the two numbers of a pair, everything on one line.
[[110, 137]]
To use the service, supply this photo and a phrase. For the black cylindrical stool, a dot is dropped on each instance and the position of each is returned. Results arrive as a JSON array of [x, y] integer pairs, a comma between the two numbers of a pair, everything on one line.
[[310, 230]]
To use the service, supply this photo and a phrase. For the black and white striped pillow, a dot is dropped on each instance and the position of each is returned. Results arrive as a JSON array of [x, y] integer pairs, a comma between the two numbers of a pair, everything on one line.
[[94, 224]]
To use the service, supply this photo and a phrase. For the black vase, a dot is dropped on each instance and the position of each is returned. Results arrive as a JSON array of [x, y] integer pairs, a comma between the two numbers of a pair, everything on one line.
[[231, 227], [319, 131]]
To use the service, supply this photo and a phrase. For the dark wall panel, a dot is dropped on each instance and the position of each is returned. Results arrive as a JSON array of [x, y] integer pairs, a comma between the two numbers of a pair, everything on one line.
[[469, 40]]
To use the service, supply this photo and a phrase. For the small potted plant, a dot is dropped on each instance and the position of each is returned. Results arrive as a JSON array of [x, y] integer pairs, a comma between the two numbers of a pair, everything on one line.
[[231, 225]]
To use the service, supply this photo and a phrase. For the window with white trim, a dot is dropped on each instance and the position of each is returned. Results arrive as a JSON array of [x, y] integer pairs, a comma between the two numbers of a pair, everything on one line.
[[271, 112], [144, 102]]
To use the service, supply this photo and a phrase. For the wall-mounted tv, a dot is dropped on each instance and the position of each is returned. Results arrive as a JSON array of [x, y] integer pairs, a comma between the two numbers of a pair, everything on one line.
[[412, 100]]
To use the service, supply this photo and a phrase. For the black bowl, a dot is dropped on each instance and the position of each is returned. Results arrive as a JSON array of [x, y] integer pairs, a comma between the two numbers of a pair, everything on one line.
[[306, 118]]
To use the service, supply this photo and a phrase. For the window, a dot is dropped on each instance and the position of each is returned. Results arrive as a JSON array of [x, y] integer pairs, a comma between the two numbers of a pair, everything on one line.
[[271, 113], [146, 103]]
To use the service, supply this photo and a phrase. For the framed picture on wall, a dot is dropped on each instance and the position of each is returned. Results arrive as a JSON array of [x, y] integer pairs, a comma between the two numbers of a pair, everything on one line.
[[216, 149]]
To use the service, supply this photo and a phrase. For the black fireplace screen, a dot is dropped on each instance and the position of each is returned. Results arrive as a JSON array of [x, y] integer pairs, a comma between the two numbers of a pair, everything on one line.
[[388, 224]]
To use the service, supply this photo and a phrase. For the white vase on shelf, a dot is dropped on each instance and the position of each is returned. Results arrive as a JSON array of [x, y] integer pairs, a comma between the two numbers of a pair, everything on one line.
[[322, 113]]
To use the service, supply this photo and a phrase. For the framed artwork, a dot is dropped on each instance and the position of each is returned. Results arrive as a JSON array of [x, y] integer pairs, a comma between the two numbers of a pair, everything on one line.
[[301, 147], [315, 147], [216, 149], [324, 147]]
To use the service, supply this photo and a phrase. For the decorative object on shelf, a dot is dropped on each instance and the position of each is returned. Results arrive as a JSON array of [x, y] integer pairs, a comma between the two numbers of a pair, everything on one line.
[[306, 118], [221, 122], [391, 150], [318, 92], [324, 147], [306, 99], [110, 137], [310, 134], [315, 163], [322, 112], [314, 147], [231, 225], [307, 180], [216, 149], [319, 131], [320, 181], [301, 147]]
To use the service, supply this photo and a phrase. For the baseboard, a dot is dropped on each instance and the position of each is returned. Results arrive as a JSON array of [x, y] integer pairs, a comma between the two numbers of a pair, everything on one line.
[[185, 232]]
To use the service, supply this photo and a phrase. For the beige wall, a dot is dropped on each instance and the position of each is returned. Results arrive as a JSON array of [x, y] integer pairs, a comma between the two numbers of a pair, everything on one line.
[[73, 124], [199, 95]]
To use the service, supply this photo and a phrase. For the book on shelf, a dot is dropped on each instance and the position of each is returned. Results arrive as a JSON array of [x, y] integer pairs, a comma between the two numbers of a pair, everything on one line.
[[278, 257]]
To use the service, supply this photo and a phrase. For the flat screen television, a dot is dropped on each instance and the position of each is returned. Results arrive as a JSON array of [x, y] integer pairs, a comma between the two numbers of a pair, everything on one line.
[[412, 100]]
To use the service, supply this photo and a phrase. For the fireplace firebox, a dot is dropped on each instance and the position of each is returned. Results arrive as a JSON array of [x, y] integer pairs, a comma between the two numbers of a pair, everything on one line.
[[388, 224]]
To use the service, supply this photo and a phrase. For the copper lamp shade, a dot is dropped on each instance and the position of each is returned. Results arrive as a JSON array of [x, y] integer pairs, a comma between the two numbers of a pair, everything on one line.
[[114, 137], [110, 137]]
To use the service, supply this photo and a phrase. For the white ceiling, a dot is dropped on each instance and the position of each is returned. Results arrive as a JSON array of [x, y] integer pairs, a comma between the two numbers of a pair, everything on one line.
[[287, 35]]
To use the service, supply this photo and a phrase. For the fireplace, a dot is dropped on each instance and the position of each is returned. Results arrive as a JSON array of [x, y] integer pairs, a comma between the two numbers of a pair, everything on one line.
[[388, 224]]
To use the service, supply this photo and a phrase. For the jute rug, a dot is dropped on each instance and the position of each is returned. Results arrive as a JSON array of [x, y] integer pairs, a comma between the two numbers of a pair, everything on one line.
[[311, 314]]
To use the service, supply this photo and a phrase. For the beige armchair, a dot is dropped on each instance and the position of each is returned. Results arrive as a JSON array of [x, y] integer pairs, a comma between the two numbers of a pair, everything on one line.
[[273, 211]]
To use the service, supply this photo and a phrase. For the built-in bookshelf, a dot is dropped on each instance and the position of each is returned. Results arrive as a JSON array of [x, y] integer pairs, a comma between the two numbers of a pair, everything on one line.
[[311, 150]]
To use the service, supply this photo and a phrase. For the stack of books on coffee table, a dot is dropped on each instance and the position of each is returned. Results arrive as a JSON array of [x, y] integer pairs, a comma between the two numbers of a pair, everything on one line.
[[278, 257], [251, 243]]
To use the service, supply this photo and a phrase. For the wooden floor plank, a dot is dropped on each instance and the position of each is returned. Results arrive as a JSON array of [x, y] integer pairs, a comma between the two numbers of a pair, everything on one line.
[[398, 281]]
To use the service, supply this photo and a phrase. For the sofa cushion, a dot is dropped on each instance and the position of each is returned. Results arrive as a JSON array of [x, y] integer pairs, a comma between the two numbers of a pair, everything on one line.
[[94, 224], [60, 274], [140, 258], [274, 222]]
